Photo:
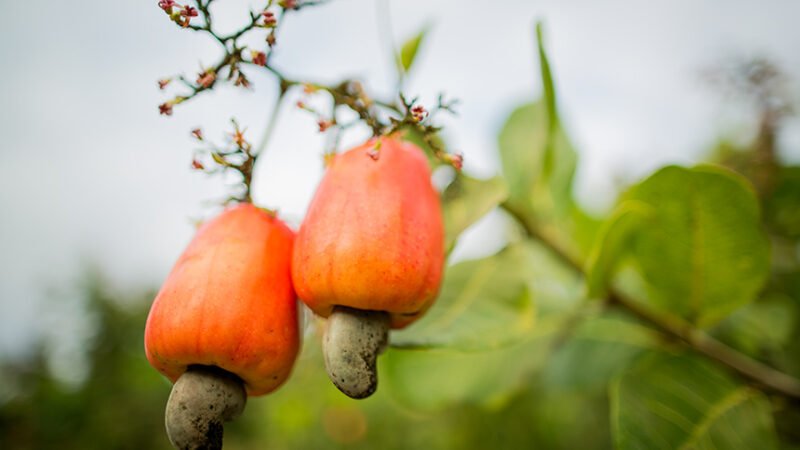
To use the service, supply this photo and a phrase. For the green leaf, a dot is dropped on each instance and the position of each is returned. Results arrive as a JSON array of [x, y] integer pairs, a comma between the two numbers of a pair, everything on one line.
[[409, 50], [547, 77], [480, 341], [597, 350], [782, 206], [703, 254], [613, 242], [484, 304], [683, 402], [523, 142], [468, 199], [433, 379], [436, 379], [549, 94], [763, 328]]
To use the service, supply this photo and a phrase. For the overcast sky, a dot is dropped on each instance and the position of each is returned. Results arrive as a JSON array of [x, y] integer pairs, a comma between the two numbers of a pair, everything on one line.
[[89, 172]]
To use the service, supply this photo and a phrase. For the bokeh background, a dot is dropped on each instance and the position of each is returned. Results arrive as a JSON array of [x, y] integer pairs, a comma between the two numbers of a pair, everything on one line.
[[97, 198]]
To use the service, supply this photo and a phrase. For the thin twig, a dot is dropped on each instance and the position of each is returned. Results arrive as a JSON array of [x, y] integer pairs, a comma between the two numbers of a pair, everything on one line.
[[273, 119]]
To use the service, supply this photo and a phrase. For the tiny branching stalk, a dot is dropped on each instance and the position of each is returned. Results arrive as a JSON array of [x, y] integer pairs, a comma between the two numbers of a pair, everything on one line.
[[382, 117]]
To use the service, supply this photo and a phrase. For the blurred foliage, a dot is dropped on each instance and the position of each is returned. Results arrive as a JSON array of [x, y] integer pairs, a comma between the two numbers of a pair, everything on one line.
[[117, 406], [522, 349]]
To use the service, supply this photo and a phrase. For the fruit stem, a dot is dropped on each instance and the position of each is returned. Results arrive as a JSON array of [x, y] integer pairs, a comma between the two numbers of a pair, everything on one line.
[[351, 344], [201, 400]]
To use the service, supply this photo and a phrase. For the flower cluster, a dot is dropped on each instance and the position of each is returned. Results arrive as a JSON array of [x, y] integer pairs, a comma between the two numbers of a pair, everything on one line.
[[382, 117], [418, 113], [180, 14]]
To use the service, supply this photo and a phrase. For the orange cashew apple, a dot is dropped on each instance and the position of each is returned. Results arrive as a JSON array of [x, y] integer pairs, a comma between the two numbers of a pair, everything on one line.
[[369, 254], [224, 324]]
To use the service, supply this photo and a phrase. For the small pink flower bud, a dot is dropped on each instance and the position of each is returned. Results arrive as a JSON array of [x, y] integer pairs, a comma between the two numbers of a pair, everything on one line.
[[269, 18], [163, 83], [198, 134], [165, 109], [419, 113], [188, 11], [238, 138], [288, 4], [456, 160], [259, 58], [166, 5]]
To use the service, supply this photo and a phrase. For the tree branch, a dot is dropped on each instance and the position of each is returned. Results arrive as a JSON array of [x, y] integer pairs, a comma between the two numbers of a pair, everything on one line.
[[695, 338]]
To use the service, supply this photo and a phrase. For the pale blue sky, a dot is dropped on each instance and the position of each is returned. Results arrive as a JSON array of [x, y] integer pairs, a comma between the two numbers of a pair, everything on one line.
[[90, 172]]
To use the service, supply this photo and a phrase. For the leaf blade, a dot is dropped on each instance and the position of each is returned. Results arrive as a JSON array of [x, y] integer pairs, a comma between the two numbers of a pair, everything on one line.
[[703, 254], [408, 52], [467, 199], [483, 304], [680, 401]]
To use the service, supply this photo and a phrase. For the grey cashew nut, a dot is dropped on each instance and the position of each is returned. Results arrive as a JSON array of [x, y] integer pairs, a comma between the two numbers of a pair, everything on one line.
[[352, 341], [201, 400]]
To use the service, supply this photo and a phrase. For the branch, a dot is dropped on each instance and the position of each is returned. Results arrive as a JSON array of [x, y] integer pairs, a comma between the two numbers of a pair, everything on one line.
[[674, 326]]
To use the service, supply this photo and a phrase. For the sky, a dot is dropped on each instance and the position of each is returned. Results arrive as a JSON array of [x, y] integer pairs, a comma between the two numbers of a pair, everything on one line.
[[90, 174]]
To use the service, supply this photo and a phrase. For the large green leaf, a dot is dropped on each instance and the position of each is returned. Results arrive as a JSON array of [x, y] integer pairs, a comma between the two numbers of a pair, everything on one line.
[[484, 304], [703, 252], [466, 200], [684, 402], [524, 142]]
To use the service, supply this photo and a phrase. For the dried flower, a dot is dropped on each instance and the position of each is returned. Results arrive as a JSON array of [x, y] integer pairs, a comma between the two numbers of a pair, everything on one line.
[[165, 109], [189, 11], [324, 125], [198, 134], [242, 81], [271, 38], [163, 83], [166, 5], [238, 137], [288, 4], [197, 165], [259, 58], [206, 78]]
